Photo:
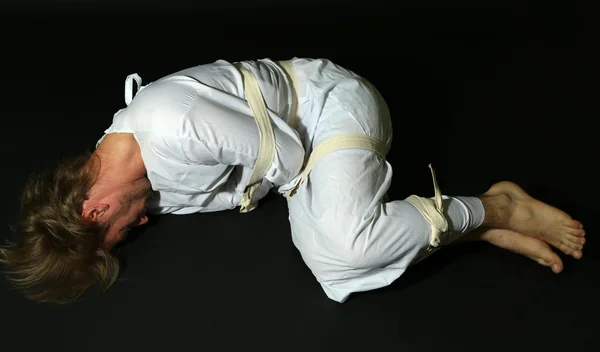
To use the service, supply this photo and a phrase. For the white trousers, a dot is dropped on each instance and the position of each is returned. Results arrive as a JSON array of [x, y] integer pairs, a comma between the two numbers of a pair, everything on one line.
[[350, 237]]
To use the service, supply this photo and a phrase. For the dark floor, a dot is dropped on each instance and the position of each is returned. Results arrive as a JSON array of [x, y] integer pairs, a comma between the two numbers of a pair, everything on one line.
[[490, 94]]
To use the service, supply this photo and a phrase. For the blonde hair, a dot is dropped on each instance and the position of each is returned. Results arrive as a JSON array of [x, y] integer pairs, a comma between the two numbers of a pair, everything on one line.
[[56, 255]]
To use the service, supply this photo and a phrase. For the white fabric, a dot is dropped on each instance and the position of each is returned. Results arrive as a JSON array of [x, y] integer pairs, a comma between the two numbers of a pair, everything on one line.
[[199, 142], [348, 235], [336, 143]]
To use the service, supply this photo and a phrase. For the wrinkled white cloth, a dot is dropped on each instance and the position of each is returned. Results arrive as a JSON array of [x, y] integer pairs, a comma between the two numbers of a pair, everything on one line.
[[199, 142]]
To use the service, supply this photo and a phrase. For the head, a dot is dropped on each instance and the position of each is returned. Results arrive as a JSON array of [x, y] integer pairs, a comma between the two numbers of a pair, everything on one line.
[[59, 251], [119, 207]]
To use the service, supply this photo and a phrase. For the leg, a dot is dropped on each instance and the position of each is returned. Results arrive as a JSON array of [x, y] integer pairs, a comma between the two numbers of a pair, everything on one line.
[[354, 241], [509, 207], [349, 237]]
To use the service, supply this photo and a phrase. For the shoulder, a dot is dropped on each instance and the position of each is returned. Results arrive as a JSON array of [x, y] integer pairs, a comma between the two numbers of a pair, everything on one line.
[[172, 96], [160, 146], [220, 75]]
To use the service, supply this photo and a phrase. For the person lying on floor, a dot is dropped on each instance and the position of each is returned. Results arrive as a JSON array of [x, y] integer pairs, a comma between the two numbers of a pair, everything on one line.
[[222, 135]]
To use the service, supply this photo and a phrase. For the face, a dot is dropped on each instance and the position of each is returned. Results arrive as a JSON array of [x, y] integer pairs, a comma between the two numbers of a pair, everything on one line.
[[129, 213]]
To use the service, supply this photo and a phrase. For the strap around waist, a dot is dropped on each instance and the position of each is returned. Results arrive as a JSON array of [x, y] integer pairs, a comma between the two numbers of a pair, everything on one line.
[[289, 70], [266, 149]]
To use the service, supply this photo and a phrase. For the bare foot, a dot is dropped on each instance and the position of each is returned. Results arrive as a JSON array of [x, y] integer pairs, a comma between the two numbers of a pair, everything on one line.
[[513, 209], [530, 247]]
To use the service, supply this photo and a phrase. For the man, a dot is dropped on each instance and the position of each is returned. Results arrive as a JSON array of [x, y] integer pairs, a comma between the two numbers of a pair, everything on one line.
[[223, 135]]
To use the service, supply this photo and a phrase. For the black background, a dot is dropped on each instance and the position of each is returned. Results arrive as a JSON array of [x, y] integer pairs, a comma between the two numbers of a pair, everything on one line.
[[484, 92]]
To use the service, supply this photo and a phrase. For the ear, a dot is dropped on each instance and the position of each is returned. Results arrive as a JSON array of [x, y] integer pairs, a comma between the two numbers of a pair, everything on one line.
[[95, 213]]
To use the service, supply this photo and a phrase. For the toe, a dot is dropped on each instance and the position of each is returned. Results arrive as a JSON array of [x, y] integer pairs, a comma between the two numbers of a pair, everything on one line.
[[574, 224], [576, 232], [577, 254], [557, 268], [576, 240], [552, 260], [543, 262], [564, 248], [572, 244]]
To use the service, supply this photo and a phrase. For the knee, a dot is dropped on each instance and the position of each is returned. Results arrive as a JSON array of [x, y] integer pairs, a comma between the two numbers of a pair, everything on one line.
[[348, 255], [338, 246], [335, 250], [334, 263]]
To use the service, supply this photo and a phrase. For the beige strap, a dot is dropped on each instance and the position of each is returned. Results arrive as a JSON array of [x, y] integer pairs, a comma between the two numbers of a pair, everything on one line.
[[332, 144], [289, 70], [432, 210], [266, 151]]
